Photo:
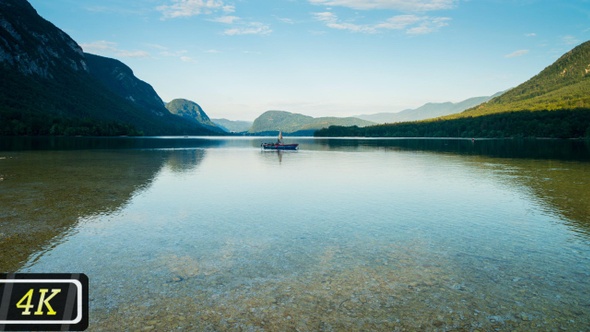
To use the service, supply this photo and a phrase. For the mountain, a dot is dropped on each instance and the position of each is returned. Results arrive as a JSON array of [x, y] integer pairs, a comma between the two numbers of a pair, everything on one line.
[[32, 45], [193, 112], [119, 78], [565, 84], [292, 122], [427, 111], [233, 126], [50, 87], [553, 104]]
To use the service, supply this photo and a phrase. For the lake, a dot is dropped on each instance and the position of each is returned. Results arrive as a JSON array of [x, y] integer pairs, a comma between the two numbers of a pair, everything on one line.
[[214, 234]]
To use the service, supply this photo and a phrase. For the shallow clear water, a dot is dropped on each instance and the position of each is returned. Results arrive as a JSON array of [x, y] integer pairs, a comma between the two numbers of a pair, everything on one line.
[[215, 234]]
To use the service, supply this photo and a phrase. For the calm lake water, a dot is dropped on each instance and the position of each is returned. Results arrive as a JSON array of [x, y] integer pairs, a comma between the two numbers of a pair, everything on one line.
[[214, 234]]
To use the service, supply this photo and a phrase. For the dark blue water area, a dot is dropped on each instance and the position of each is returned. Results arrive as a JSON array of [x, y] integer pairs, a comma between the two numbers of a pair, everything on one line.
[[558, 149]]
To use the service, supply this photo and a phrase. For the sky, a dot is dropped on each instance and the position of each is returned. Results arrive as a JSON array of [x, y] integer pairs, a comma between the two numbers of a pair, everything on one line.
[[240, 58]]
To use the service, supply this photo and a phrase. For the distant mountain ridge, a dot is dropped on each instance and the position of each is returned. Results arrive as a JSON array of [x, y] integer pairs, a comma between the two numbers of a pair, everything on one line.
[[50, 87], [288, 122], [427, 111], [233, 126]]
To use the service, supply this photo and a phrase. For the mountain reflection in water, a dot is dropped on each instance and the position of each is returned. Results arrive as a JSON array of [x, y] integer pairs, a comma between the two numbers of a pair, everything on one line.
[[43, 194]]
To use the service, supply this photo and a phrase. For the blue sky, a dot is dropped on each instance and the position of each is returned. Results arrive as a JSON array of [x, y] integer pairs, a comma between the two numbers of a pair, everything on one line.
[[240, 58]]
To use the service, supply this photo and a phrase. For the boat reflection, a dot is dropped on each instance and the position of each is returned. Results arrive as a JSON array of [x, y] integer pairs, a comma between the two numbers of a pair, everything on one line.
[[278, 153]]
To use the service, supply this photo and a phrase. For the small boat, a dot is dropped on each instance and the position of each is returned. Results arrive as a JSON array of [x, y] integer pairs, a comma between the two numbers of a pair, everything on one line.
[[279, 145]]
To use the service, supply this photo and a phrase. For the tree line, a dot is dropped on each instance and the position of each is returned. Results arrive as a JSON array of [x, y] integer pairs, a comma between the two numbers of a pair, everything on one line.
[[25, 123], [574, 123]]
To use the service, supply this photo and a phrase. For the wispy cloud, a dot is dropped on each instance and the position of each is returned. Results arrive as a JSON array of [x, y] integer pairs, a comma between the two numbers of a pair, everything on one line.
[[251, 28], [227, 19], [187, 59], [412, 24], [187, 8], [399, 22], [121, 8], [532, 34], [172, 54], [285, 20], [401, 5], [181, 55], [429, 25], [107, 48], [331, 21], [516, 54], [239, 26], [157, 46], [133, 54], [570, 40]]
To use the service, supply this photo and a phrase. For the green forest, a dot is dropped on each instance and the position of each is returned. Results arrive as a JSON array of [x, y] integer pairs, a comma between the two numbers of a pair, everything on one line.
[[574, 123], [76, 104], [20, 124]]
